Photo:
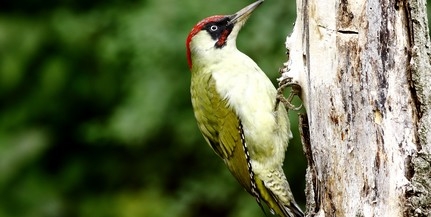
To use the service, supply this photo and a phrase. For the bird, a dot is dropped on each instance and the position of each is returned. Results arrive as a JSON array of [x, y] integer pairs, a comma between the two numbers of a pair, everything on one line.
[[235, 107]]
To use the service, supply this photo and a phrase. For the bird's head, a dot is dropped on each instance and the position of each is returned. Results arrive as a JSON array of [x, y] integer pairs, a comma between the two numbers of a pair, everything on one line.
[[215, 34]]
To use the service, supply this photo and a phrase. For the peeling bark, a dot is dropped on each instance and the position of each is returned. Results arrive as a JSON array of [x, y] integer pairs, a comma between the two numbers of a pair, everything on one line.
[[364, 68]]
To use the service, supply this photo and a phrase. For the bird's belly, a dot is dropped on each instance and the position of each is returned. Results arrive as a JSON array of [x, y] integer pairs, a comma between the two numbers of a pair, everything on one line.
[[252, 96]]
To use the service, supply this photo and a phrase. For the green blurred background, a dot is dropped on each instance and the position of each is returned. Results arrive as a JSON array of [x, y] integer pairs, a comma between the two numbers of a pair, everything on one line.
[[95, 115]]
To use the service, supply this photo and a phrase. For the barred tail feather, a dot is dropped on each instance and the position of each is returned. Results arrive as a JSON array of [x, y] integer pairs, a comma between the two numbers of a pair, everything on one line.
[[294, 210], [276, 207], [291, 210]]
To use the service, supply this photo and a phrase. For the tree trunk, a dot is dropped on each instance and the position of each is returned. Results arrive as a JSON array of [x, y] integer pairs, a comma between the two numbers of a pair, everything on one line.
[[364, 68]]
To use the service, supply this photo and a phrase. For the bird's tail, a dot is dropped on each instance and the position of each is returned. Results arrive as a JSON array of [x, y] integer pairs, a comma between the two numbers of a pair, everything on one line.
[[277, 207], [294, 210], [290, 210]]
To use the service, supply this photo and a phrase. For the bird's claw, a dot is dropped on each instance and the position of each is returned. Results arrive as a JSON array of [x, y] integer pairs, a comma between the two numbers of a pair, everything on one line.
[[295, 91]]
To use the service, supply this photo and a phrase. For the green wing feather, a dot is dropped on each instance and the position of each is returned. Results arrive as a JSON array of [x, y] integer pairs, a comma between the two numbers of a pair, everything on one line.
[[220, 126]]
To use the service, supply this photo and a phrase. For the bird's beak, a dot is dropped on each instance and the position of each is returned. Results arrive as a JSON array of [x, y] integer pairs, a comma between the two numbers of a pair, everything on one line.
[[241, 16]]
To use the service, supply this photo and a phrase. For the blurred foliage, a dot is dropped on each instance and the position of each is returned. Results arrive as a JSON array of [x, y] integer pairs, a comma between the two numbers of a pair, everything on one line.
[[95, 115]]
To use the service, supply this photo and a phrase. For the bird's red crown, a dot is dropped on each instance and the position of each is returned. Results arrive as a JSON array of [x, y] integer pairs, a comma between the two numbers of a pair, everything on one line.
[[197, 28]]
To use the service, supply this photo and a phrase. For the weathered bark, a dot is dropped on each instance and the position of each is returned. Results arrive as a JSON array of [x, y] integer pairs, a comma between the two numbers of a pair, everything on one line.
[[364, 69]]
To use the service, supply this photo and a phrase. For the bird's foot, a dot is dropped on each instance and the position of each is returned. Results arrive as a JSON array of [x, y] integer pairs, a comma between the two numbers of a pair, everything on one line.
[[295, 91]]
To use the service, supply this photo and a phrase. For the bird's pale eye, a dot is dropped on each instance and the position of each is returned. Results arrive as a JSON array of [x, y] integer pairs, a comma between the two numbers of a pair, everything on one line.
[[213, 28]]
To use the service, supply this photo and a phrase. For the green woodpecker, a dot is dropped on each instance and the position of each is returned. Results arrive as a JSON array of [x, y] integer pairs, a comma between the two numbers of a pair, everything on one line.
[[235, 106]]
